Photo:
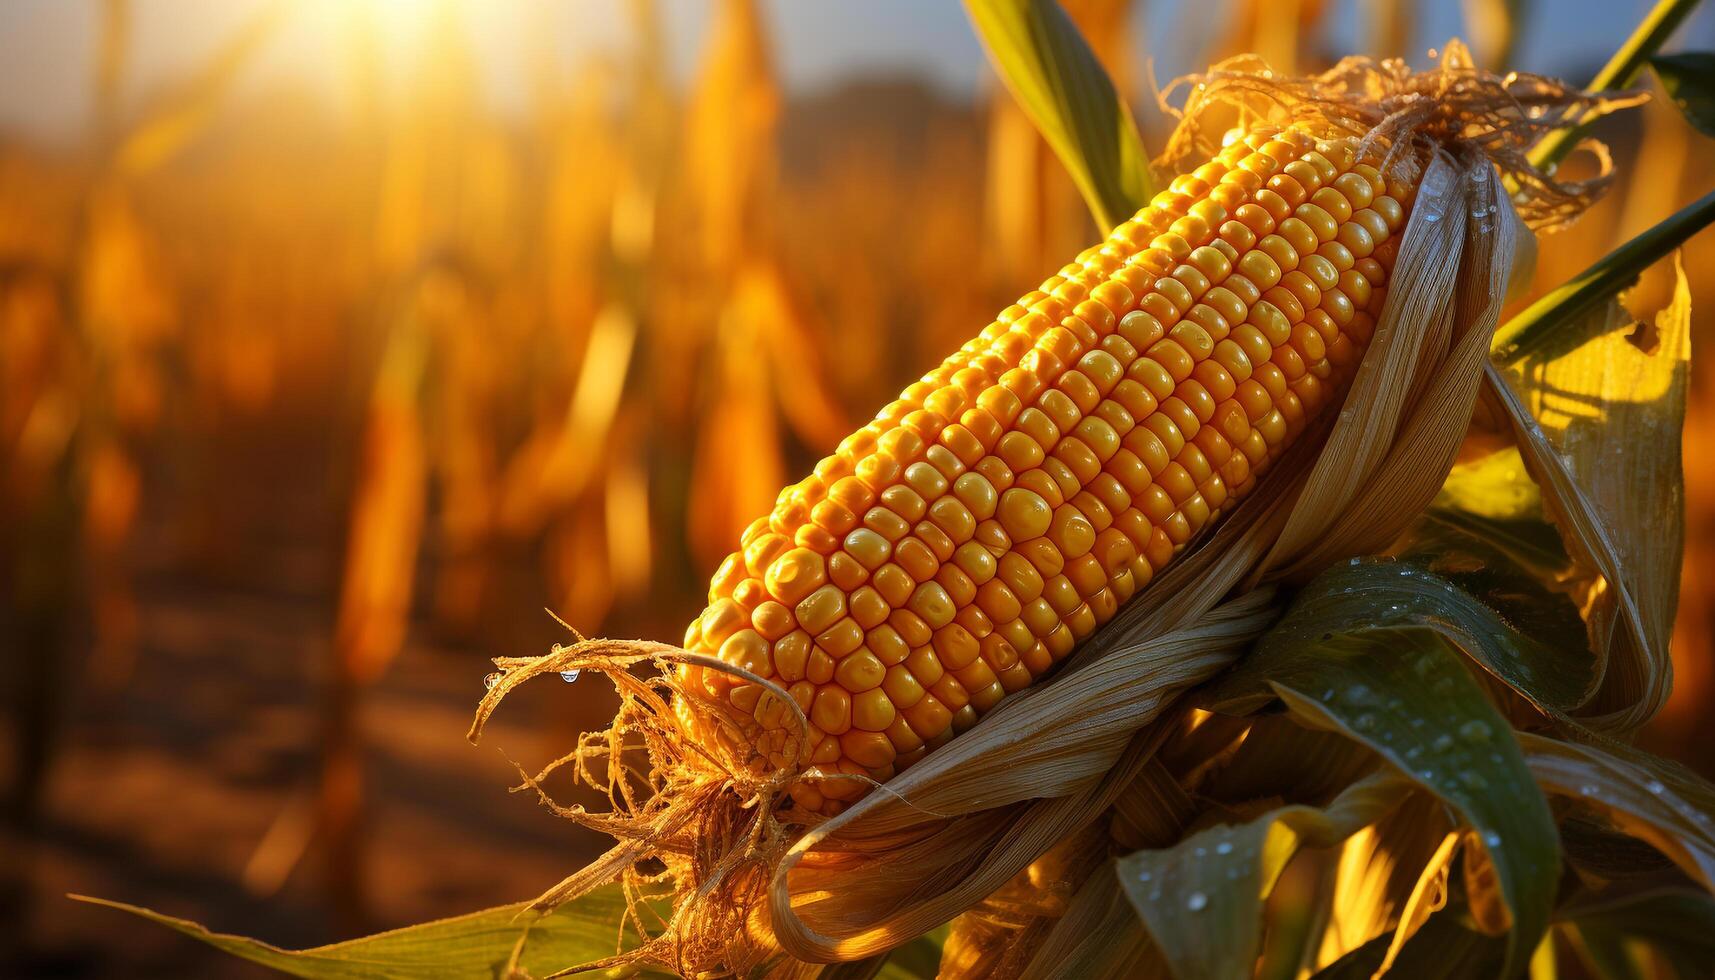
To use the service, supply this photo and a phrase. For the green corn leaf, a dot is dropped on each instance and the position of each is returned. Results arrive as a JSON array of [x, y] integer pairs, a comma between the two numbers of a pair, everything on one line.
[[1551, 669], [1492, 576], [1051, 71], [1621, 71], [1523, 534], [1689, 80], [478, 945], [1202, 898], [1381, 671]]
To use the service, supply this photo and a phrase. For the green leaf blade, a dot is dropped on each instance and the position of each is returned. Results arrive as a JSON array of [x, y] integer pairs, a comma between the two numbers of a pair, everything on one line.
[[1488, 577], [477, 945], [1384, 673], [1202, 898], [1051, 71], [1436, 587]]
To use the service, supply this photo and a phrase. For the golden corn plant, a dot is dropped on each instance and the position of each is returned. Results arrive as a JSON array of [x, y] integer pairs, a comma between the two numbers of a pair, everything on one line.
[[1248, 600], [443, 189], [731, 129], [548, 472], [123, 306], [583, 475], [39, 519], [425, 159], [869, 274], [87, 325]]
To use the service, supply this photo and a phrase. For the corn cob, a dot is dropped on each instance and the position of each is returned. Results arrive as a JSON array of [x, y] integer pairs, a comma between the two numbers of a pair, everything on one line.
[[955, 549]]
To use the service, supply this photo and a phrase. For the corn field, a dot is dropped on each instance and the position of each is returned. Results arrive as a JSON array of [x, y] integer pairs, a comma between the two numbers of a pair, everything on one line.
[[361, 361]]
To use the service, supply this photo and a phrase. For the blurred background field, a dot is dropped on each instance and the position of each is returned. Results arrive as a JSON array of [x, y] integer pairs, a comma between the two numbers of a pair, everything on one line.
[[339, 338]]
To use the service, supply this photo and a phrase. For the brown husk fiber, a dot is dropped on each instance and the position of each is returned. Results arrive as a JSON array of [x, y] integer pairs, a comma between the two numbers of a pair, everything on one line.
[[763, 887]]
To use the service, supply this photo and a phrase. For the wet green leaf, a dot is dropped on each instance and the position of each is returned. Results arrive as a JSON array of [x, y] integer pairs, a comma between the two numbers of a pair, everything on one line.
[[1531, 543], [1057, 80], [1202, 898], [1550, 669], [1380, 670], [477, 945], [1543, 651]]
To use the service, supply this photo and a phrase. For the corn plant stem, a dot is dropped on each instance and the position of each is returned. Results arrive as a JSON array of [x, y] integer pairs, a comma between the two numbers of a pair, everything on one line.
[[1605, 278], [1620, 267], [1621, 71]]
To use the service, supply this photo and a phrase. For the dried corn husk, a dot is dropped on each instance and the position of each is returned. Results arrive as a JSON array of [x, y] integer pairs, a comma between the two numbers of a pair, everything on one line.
[[1603, 495]]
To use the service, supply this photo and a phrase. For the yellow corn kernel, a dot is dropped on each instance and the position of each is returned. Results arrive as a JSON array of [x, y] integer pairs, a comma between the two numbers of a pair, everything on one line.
[[1009, 503]]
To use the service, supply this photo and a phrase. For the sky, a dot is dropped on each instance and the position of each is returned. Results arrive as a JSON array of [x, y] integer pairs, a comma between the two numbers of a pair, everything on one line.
[[47, 46]]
